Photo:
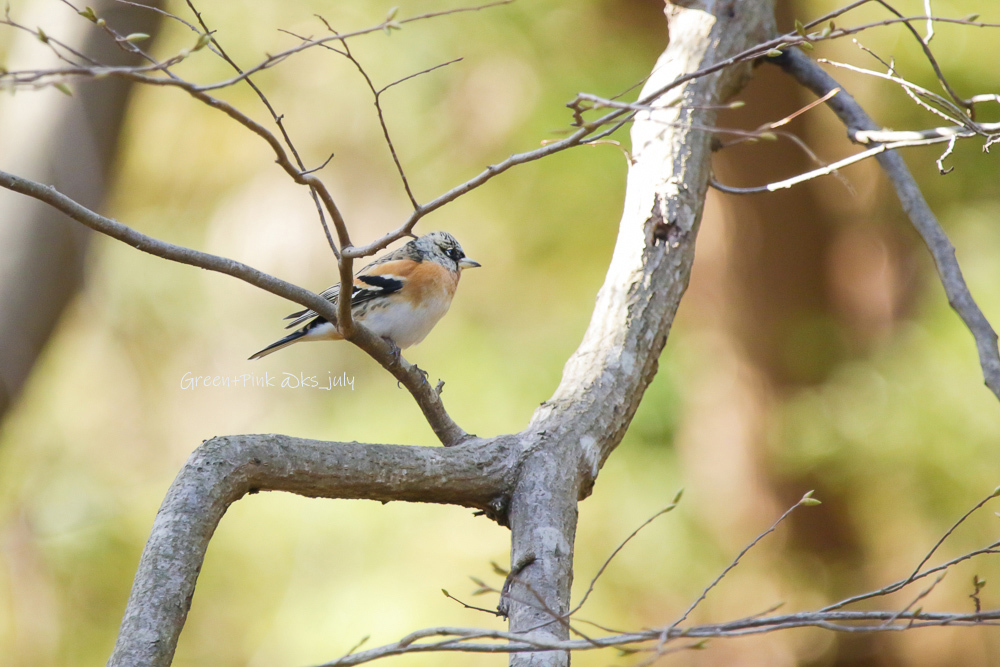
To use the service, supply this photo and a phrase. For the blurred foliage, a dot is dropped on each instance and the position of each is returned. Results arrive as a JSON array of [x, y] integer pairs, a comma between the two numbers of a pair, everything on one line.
[[897, 434]]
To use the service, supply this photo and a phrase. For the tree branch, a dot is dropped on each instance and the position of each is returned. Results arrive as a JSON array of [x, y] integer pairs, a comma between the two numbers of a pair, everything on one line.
[[572, 434], [412, 378], [812, 76], [223, 470]]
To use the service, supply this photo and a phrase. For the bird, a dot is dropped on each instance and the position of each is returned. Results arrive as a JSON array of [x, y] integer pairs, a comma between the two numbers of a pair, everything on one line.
[[400, 296]]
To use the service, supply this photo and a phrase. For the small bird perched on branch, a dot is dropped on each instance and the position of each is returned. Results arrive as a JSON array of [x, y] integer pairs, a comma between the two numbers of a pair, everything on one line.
[[400, 296]]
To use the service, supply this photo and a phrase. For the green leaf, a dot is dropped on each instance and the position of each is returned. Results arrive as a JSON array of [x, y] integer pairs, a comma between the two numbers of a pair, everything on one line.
[[774, 53], [799, 28], [680, 493], [202, 42], [810, 502], [42, 37], [63, 88], [136, 37], [88, 13], [391, 14]]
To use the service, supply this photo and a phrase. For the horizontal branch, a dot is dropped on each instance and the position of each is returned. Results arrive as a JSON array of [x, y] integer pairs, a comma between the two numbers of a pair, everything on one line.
[[223, 470], [461, 639], [175, 253]]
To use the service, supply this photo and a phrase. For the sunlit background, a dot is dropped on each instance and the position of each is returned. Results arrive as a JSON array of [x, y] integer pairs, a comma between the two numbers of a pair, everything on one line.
[[814, 350]]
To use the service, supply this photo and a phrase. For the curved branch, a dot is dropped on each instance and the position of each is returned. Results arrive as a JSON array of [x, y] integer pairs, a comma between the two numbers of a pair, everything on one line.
[[573, 433], [812, 76], [423, 393], [223, 470]]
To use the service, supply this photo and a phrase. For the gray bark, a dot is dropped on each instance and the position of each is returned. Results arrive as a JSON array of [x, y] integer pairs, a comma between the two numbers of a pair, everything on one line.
[[533, 480], [574, 432]]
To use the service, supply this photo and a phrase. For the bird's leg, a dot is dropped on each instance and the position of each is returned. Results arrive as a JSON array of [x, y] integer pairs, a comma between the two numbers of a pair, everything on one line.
[[394, 350]]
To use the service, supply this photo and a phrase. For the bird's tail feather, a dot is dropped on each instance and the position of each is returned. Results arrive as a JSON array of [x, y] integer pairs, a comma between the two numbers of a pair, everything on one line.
[[284, 342]]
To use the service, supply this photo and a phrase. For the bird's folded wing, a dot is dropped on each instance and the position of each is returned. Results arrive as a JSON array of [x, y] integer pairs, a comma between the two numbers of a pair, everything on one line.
[[380, 280]]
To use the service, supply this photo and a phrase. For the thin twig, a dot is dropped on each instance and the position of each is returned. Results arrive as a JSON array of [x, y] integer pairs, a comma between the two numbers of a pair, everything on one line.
[[669, 508], [344, 238], [736, 561]]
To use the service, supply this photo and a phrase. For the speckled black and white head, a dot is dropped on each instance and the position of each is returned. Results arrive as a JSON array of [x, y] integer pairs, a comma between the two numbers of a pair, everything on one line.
[[442, 247]]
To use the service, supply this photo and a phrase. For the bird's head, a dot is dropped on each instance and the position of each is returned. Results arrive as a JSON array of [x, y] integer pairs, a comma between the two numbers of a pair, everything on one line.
[[444, 245]]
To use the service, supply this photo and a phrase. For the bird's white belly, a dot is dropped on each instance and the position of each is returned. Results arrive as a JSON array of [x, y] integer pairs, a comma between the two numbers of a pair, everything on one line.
[[403, 323]]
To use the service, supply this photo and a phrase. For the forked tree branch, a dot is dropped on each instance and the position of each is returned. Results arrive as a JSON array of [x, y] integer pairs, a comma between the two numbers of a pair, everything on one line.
[[532, 480], [223, 470], [812, 76]]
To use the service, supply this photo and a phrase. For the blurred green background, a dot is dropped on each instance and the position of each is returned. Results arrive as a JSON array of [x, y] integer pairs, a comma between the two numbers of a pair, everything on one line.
[[815, 349]]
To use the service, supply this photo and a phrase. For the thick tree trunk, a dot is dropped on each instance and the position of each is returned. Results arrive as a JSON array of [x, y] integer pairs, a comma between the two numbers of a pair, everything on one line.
[[574, 432]]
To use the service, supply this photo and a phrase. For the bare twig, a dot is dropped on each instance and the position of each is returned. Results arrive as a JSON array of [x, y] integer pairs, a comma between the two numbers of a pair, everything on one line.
[[924, 593], [278, 120], [669, 508], [830, 168], [807, 499], [929, 55], [955, 117], [916, 574], [281, 56]]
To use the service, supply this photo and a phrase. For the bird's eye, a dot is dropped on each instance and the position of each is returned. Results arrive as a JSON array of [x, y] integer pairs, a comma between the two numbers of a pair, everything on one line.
[[455, 254]]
